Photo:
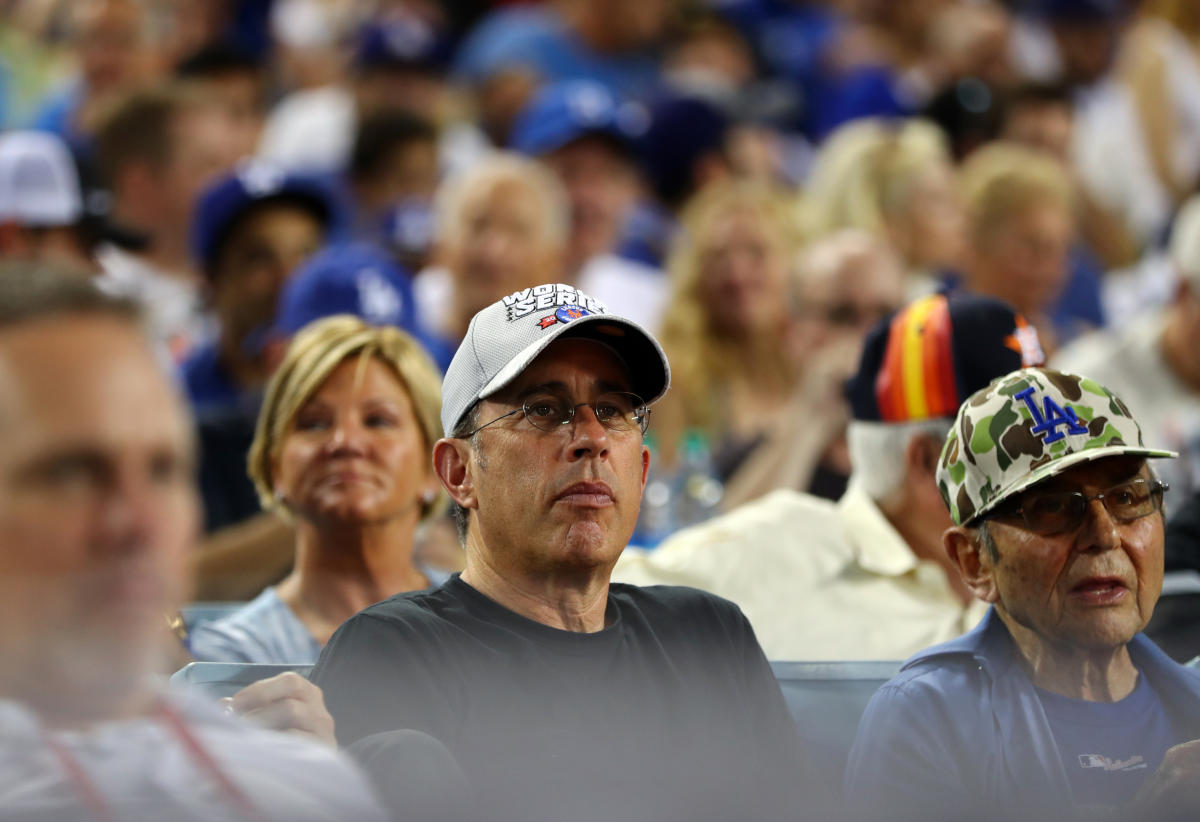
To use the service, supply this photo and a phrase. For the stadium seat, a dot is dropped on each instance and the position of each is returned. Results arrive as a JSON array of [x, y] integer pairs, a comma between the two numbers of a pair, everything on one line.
[[220, 679], [826, 700]]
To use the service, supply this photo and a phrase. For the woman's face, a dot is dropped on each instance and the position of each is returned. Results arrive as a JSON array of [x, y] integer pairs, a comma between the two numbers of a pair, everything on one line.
[[929, 230], [743, 275], [354, 453]]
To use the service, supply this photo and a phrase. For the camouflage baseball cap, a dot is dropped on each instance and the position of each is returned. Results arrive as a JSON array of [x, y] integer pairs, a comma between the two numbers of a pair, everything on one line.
[[1025, 427]]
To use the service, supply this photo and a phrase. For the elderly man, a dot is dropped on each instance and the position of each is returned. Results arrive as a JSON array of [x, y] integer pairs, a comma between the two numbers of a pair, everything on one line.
[[97, 515], [865, 578], [1055, 705], [562, 695]]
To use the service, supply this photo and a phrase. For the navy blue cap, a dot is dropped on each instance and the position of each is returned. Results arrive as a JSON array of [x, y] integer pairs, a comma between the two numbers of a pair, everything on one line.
[[221, 205], [402, 42], [682, 130], [563, 112], [924, 360], [354, 278], [1083, 11]]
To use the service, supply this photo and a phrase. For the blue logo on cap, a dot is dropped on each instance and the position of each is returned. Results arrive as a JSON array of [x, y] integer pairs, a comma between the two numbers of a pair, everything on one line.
[[566, 313]]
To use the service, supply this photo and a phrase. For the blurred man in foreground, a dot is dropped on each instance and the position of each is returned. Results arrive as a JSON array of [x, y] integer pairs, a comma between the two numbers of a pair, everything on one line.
[[97, 514]]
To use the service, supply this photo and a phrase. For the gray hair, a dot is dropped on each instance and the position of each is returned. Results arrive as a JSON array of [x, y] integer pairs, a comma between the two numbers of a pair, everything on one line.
[[877, 451], [32, 291], [466, 424], [496, 169]]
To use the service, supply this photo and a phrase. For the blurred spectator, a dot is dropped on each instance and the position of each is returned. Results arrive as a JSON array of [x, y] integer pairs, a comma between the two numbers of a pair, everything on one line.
[[894, 179], [42, 216], [236, 81], [1159, 64], [1042, 116], [342, 450], [501, 227], [97, 515], [685, 148], [727, 321], [398, 62], [115, 42], [1151, 362], [586, 137], [874, 561], [971, 41], [614, 43], [156, 150], [251, 231], [1021, 213], [393, 164]]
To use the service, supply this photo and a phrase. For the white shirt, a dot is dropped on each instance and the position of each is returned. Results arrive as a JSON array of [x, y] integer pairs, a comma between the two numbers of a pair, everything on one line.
[[143, 771], [175, 307], [1130, 363], [817, 580]]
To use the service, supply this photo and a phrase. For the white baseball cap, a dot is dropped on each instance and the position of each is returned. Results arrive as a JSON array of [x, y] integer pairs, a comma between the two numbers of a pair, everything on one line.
[[39, 184], [504, 338]]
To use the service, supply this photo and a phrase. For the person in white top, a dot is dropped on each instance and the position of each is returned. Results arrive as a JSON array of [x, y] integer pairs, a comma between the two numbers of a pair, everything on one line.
[[98, 513], [865, 578], [1151, 360]]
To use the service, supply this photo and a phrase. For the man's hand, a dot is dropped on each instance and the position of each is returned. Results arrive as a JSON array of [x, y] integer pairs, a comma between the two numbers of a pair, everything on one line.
[[1173, 791], [286, 702]]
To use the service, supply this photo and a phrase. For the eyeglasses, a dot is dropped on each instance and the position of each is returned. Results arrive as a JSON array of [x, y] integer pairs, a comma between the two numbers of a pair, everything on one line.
[[615, 410], [1056, 512]]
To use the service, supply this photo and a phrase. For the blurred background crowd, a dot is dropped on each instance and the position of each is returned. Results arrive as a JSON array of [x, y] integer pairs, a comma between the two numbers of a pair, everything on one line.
[[756, 181]]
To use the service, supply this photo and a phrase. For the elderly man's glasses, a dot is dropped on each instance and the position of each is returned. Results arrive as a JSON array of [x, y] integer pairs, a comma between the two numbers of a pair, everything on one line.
[[615, 410], [1056, 512]]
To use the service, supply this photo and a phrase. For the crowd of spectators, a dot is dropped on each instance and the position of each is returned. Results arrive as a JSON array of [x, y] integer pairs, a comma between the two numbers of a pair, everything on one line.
[[779, 191]]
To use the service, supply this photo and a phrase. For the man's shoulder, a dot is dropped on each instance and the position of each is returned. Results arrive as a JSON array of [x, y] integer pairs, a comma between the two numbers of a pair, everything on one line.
[[680, 611]]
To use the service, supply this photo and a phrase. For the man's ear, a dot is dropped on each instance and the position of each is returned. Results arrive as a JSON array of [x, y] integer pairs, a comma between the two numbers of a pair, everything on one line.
[[452, 463], [921, 458], [966, 550], [645, 466]]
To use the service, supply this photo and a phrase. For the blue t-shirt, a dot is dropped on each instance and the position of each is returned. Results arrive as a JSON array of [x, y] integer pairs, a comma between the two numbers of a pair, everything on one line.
[[1109, 748]]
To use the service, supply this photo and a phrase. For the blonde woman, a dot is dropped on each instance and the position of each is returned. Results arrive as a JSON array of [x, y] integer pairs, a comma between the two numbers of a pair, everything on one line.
[[728, 318], [342, 451], [894, 179]]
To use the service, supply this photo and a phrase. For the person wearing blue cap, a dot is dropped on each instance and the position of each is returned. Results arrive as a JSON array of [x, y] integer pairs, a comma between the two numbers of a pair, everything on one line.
[[250, 232], [588, 138]]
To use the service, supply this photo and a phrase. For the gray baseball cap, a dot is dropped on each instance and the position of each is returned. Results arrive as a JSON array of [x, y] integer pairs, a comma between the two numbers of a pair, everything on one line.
[[504, 338]]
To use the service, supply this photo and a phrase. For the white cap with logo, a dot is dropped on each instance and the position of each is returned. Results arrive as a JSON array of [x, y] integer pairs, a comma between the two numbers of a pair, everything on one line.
[[39, 184], [504, 338]]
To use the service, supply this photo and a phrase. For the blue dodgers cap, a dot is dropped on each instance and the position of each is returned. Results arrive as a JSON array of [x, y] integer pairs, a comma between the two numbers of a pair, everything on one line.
[[504, 338], [224, 202], [402, 41], [563, 112], [354, 278]]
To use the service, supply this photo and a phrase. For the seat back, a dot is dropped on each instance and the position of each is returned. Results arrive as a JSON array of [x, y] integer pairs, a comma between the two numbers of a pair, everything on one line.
[[826, 700], [221, 679]]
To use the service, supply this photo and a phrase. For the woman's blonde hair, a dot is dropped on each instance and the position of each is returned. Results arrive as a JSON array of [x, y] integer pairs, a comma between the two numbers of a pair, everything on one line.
[[1003, 179], [701, 357], [864, 172], [315, 351]]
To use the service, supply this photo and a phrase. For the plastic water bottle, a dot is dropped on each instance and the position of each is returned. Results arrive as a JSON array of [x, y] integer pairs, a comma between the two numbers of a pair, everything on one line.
[[656, 520], [698, 490]]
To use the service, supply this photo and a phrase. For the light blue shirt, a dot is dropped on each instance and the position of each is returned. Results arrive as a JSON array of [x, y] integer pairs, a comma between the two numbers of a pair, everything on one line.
[[265, 630]]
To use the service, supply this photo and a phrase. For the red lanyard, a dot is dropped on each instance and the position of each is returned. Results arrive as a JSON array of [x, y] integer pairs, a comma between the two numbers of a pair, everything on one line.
[[94, 800]]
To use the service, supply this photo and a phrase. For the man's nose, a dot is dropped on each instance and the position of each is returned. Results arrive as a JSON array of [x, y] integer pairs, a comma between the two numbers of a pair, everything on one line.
[[130, 510], [1100, 531], [588, 436]]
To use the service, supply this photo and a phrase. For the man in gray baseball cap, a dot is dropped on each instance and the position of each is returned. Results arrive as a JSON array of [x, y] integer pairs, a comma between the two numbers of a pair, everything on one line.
[[563, 695]]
